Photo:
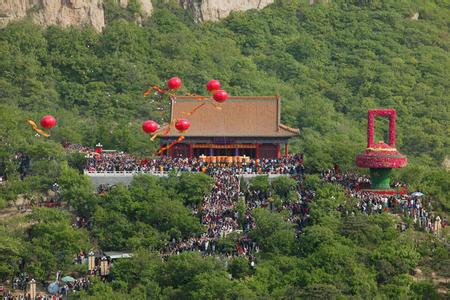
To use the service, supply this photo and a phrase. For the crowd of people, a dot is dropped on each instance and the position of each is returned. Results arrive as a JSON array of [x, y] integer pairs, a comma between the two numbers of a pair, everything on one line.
[[217, 213], [59, 291], [220, 215], [403, 203], [123, 162]]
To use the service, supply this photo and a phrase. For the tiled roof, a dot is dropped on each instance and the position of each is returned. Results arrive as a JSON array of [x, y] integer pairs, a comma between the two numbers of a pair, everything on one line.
[[239, 116]]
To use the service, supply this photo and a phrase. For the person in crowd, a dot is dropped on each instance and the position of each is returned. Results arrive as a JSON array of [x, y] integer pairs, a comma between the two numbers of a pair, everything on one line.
[[370, 203], [123, 162]]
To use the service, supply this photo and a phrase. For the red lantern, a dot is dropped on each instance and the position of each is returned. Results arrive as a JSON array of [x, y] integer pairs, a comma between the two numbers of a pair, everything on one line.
[[213, 85], [149, 126], [220, 96], [48, 121], [182, 125], [174, 83]]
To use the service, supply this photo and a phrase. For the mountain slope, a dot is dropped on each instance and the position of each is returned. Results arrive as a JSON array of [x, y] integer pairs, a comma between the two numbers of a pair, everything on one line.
[[330, 63]]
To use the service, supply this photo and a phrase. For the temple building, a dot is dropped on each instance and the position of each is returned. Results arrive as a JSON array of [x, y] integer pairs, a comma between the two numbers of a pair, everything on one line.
[[240, 126]]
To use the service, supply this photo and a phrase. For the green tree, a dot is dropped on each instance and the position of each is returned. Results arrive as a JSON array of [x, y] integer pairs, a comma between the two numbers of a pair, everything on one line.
[[77, 190], [239, 268], [182, 269], [194, 187], [284, 187], [260, 183], [11, 250], [53, 242], [272, 232], [142, 269]]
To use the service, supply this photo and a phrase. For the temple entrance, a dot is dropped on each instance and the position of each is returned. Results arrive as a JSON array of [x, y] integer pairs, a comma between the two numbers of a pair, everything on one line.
[[201, 151], [250, 152], [224, 152]]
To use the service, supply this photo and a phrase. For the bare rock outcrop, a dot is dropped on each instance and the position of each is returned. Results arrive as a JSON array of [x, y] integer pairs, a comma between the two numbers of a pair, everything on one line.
[[415, 16], [146, 6], [59, 12], [92, 12], [213, 10]]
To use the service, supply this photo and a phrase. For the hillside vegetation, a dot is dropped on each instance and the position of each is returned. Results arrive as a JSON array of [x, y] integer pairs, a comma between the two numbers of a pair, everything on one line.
[[329, 62]]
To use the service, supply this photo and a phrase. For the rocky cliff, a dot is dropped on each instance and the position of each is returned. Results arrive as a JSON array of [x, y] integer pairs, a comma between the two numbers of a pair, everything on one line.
[[59, 12], [146, 6], [213, 10], [92, 12]]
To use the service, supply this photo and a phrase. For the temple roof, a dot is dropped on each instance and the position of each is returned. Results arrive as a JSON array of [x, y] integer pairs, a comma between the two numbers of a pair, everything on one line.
[[239, 116]]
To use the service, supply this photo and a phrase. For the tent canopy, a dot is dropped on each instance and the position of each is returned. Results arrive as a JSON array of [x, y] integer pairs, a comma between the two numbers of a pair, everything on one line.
[[118, 254]]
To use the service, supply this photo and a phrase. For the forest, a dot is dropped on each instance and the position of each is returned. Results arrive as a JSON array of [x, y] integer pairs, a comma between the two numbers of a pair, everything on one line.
[[329, 62]]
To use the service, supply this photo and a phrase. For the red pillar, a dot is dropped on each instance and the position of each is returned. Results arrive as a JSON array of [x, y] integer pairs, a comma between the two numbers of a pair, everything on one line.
[[278, 151], [392, 129], [191, 151], [370, 129], [286, 149]]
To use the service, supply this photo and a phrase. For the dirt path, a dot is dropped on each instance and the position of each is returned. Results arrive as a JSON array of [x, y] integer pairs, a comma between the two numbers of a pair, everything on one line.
[[13, 210]]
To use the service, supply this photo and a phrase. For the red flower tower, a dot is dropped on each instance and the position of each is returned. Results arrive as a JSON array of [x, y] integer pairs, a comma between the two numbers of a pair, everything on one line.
[[381, 157]]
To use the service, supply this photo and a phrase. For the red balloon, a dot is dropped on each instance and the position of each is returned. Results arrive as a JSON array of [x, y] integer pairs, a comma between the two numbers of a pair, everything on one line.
[[149, 126], [220, 96], [48, 121], [174, 83], [213, 85], [182, 125]]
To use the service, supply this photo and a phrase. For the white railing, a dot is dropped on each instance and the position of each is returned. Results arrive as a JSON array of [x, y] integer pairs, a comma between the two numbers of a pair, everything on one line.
[[122, 173]]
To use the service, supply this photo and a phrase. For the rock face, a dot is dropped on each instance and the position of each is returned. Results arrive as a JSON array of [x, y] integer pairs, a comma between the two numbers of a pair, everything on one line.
[[415, 16], [91, 12], [59, 12], [146, 6], [213, 10]]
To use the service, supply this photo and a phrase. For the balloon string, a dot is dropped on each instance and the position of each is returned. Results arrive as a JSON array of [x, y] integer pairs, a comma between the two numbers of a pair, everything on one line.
[[162, 149], [203, 98], [218, 107], [159, 90], [153, 138], [197, 97], [166, 132], [194, 110], [35, 128], [150, 90]]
